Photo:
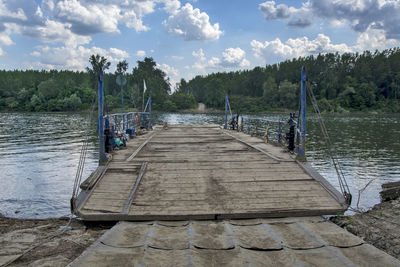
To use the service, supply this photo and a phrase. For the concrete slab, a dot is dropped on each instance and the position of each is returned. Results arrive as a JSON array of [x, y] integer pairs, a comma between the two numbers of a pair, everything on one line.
[[268, 242]]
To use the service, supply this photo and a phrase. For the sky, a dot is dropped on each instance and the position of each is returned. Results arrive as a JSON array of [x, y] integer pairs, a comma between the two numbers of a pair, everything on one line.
[[189, 38]]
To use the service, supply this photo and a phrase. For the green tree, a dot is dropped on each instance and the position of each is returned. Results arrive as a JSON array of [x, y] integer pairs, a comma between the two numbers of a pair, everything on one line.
[[48, 89], [122, 67]]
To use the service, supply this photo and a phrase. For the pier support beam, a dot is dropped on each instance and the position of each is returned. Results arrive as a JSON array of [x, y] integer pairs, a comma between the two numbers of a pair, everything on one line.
[[102, 156], [226, 112], [301, 155]]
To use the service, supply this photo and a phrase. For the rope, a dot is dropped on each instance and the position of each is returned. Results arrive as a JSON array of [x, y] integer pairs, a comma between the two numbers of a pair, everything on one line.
[[344, 188], [84, 148], [230, 111]]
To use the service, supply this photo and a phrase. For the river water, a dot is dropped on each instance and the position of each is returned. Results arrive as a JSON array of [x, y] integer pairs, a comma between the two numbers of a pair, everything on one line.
[[39, 154]]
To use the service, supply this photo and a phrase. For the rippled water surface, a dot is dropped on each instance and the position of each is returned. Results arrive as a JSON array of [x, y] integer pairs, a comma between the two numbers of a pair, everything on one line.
[[39, 154]]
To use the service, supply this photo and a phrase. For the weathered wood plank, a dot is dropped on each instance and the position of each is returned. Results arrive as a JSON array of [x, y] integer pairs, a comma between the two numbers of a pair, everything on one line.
[[201, 172]]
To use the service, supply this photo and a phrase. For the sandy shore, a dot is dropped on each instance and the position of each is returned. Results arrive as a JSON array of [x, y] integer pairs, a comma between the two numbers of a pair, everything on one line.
[[379, 226], [45, 242]]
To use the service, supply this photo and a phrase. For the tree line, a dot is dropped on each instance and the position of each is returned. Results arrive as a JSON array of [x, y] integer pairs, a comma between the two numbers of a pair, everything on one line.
[[54, 90], [348, 82]]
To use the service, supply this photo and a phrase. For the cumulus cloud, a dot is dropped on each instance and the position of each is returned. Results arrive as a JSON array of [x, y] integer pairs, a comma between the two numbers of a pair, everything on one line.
[[5, 38], [363, 14], [88, 17], [141, 53], [54, 32], [231, 58], [360, 15], [192, 25], [73, 58], [22, 12], [275, 51], [199, 54], [15, 14], [298, 17], [375, 39], [271, 12], [171, 6], [170, 71], [85, 19]]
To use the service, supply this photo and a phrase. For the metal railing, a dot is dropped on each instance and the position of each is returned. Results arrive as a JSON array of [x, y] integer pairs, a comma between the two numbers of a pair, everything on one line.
[[127, 122]]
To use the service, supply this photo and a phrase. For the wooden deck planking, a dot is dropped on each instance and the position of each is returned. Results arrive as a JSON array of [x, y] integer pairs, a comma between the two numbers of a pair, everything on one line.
[[198, 172]]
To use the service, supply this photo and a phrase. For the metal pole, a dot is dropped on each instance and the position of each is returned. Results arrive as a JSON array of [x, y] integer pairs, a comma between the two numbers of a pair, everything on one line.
[[279, 133], [102, 155], [123, 114], [301, 153], [226, 112], [150, 127], [143, 99]]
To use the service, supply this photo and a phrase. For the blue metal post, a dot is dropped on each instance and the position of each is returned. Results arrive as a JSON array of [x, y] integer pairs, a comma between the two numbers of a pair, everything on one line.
[[301, 153], [123, 114], [107, 123], [226, 112], [149, 125], [279, 132], [134, 124], [128, 116], [102, 155]]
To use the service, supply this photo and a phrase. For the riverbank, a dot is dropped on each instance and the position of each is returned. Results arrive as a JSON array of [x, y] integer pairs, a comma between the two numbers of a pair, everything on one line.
[[379, 226], [48, 242]]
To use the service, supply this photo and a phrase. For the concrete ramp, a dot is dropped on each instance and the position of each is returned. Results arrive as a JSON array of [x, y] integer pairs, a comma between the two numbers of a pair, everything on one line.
[[308, 241]]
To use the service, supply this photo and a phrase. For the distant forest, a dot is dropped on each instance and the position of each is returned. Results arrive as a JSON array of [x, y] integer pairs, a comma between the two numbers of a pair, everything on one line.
[[348, 82]]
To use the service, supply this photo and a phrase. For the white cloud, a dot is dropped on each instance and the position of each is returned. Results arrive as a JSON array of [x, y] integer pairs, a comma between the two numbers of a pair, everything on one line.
[[171, 6], [233, 57], [88, 17], [170, 71], [73, 22], [85, 18], [275, 51], [73, 58], [118, 53], [141, 53], [54, 32], [199, 54], [5, 38], [271, 12], [8, 15], [373, 39], [360, 15], [298, 17], [131, 20], [192, 25]]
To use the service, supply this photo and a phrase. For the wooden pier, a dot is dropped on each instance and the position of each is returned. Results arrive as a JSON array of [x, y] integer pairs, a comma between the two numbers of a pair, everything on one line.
[[191, 172]]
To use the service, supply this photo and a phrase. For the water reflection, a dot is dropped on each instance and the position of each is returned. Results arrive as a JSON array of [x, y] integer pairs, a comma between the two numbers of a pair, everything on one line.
[[39, 154]]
